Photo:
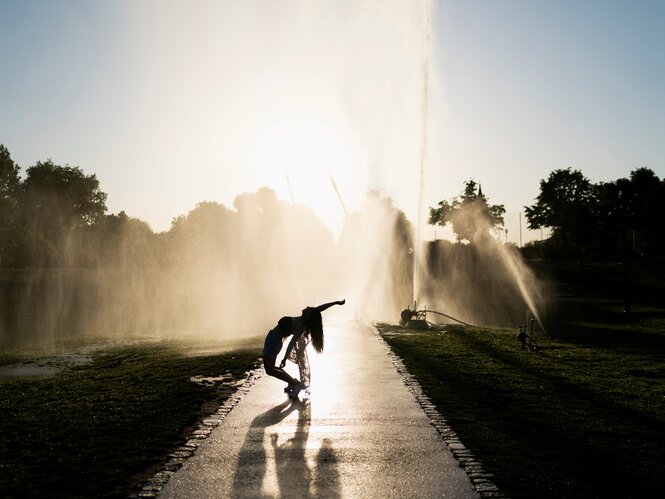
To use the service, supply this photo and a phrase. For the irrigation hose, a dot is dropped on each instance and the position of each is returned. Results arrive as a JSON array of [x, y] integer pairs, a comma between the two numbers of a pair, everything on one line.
[[448, 316]]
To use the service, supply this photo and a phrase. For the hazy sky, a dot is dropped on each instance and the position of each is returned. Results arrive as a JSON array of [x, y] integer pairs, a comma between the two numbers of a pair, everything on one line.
[[174, 102]]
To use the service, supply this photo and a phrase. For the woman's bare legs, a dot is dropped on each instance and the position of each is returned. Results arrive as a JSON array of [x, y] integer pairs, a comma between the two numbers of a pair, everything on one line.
[[278, 372]]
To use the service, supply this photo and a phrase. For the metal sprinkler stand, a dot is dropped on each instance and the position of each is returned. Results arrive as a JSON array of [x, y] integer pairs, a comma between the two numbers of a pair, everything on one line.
[[417, 319], [414, 319], [527, 340]]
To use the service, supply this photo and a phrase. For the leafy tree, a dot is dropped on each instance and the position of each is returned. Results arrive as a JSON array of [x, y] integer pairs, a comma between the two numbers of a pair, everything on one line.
[[613, 216], [566, 205], [612, 219], [54, 200], [646, 200], [64, 194], [204, 235], [126, 241], [9, 208], [9, 179], [470, 215]]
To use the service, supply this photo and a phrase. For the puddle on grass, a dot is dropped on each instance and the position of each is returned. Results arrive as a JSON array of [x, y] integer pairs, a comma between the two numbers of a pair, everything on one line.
[[46, 363], [211, 380], [28, 370], [226, 379], [44, 368]]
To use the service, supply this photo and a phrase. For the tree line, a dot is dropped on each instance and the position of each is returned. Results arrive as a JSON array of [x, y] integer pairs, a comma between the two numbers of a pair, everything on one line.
[[38, 213], [57, 217], [237, 267], [618, 219], [608, 220], [67, 264]]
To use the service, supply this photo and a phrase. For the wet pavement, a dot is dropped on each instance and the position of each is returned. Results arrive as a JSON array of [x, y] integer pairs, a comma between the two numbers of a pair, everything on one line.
[[361, 433]]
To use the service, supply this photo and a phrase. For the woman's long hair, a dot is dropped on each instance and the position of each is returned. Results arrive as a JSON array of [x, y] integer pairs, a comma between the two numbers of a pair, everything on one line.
[[314, 326]]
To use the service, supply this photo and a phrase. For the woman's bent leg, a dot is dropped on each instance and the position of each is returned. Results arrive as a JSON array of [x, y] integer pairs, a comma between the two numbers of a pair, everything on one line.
[[277, 372]]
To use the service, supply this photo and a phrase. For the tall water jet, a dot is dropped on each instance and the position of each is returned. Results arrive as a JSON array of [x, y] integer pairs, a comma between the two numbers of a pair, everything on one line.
[[339, 196], [424, 118]]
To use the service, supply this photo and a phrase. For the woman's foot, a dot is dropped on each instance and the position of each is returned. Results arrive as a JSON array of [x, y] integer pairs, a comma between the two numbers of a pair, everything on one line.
[[288, 388], [293, 394]]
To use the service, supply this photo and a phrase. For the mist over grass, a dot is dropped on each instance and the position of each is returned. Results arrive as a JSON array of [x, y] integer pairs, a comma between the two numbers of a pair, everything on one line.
[[223, 272], [485, 283], [218, 272]]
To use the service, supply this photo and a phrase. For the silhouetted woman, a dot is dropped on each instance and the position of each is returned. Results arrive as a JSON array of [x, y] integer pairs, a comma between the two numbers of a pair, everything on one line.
[[308, 327]]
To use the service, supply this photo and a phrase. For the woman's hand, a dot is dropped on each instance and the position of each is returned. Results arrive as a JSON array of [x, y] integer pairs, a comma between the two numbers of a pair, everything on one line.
[[341, 302], [283, 363]]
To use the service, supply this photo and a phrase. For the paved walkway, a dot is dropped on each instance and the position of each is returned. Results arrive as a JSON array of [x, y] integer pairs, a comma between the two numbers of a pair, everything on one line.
[[360, 434]]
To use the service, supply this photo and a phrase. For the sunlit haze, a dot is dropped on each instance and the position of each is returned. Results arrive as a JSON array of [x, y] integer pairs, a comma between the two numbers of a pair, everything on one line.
[[172, 103], [286, 149]]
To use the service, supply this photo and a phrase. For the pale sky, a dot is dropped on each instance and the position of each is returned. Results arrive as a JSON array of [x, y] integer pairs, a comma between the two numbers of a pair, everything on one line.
[[174, 102]]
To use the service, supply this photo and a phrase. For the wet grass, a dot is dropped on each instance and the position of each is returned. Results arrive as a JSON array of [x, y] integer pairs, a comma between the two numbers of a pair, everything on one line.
[[581, 416], [98, 430]]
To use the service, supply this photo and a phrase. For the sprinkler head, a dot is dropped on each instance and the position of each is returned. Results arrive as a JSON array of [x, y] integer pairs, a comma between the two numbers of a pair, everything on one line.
[[405, 317]]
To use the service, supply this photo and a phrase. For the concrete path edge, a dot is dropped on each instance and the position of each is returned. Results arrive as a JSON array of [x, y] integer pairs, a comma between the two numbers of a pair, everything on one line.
[[480, 479], [152, 487]]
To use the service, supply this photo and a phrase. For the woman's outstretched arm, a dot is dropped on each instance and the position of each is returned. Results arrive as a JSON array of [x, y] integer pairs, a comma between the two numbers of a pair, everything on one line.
[[298, 330], [326, 306]]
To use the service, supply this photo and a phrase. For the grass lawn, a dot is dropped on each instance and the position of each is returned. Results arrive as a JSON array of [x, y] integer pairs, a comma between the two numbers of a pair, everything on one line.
[[583, 415], [96, 430]]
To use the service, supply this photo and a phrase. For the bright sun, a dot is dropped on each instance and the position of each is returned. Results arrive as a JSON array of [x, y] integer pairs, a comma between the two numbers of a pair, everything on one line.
[[300, 159]]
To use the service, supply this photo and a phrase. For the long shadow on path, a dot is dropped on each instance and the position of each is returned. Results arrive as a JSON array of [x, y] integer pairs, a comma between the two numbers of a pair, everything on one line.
[[293, 474]]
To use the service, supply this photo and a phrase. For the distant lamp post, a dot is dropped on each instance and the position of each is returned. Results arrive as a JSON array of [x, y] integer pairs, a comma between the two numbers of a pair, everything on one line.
[[506, 230]]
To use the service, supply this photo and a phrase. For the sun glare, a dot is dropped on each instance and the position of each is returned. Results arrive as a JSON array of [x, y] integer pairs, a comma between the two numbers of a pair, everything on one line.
[[300, 160]]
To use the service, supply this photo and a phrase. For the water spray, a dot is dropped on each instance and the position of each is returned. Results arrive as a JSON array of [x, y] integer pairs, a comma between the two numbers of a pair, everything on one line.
[[288, 182], [339, 196], [424, 113]]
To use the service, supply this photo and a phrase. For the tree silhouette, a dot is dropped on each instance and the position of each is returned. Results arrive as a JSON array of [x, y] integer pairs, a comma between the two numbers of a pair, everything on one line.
[[54, 200], [470, 215], [610, 219], [63, 193], [9, 207], [646, 202], [613, 216], [565, 205]]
